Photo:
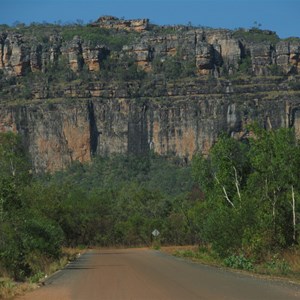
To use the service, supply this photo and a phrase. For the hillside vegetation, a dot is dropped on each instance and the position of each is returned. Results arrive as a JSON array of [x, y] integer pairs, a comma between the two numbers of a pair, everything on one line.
[[243, 199]]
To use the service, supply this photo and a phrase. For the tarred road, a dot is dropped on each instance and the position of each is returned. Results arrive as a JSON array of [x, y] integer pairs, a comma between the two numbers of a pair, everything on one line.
[[140, 274]]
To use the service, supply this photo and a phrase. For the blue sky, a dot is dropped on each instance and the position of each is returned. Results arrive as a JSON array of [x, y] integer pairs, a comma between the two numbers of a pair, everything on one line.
[[281, 16]]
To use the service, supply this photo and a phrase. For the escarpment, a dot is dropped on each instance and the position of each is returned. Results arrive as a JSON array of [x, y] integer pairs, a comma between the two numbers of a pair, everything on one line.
[[120, 86]]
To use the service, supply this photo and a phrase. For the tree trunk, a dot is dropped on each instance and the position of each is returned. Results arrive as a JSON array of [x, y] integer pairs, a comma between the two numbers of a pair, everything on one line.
[[274, 211], [225, 193], [237, 185], [294, 214], [1, 209]]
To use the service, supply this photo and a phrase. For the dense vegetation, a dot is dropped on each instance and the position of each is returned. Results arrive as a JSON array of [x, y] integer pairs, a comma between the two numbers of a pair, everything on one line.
[[27, 237], [252, 194], [242, 200], [112, 201]]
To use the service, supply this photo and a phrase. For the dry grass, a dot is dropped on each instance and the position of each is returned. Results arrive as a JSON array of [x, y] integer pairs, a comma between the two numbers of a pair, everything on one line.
[[10, 289], [283, 266], [172, 249], [292, 257]]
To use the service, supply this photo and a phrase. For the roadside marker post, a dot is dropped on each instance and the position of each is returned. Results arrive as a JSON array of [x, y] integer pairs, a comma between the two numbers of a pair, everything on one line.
[[156, 241]]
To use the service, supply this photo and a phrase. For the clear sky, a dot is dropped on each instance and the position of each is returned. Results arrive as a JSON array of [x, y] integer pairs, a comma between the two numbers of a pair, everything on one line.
[[282, 16]]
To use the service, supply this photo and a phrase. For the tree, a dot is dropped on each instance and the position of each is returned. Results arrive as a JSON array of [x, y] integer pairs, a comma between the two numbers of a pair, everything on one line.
[[251, 192], [27, 237], [225, 170], [222, 176], [275, 159]]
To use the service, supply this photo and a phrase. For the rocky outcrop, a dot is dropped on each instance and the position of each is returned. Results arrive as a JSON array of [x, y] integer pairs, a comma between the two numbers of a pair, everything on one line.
[[204, 58], [294, 56], [110, 22], [19, 56], [214, 52], [73, 52], [262, 57], [93, 56], [14, 54]]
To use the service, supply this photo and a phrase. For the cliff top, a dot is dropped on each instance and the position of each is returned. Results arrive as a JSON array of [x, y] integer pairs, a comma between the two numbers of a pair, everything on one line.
[[42, 61]]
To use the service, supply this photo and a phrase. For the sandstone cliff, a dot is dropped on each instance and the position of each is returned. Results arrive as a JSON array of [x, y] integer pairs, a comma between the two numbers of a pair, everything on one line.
[[65, 97], [215, 52]]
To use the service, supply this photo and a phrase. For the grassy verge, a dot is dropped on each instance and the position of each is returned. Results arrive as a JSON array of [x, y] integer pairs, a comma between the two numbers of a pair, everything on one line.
[[285, 265], [10, 288]]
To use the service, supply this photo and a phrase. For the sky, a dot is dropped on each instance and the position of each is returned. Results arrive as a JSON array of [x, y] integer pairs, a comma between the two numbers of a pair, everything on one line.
[[282, 16]]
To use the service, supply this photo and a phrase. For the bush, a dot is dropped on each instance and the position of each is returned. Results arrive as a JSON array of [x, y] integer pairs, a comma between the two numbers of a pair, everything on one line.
[[99, 36], [239, 262], [43, 236], [223, 230], [294, 85], [27, 243], [245, 65], [277, 266], [173, 67], [275, 70], [256, 35]]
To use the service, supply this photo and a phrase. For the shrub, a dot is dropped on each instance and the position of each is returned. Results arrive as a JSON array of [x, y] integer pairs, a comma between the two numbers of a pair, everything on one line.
[[275, 70], [277, 266], [238, 262], [27, 244], [294, 85], [245, 65], [98, 36], [256, 35]]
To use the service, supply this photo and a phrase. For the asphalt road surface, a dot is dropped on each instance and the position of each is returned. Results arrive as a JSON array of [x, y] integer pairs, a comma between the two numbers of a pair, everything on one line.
[[139, 274]]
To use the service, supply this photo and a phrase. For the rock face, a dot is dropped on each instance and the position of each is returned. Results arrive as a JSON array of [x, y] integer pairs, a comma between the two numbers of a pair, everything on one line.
[[216, 51], [74, 120], [204, 58], [18, 57], [186, 118]]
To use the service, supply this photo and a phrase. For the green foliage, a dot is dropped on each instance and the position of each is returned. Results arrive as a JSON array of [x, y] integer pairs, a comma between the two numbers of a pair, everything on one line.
[[121, 69], [249, 190], [37, 32], [115, 40], [245, 65], [162, 30], [239, 262], [41, 32], [277, 266], [224, 171], [185, 253], [174, 67], [12, 157], [238, 200], [292, 39], [25, 236], [42, 235], [275, 70], [36, 277], [115, 201], [256, 35], [294, 85], [203, 254]]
